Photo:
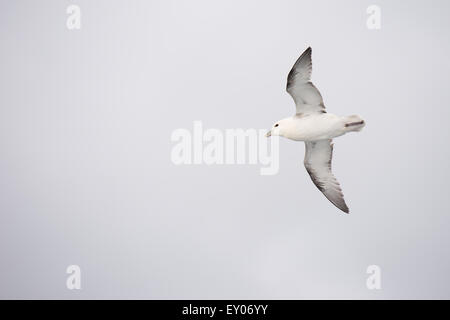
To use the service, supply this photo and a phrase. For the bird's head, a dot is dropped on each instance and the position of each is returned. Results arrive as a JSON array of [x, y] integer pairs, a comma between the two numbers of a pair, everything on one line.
[[278, 128]]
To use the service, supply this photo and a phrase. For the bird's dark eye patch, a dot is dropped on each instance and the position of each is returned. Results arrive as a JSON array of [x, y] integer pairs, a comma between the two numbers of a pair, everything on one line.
[[276, 125]]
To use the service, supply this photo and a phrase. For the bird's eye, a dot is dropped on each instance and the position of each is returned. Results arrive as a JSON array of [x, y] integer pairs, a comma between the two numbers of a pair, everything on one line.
[[276, 125]]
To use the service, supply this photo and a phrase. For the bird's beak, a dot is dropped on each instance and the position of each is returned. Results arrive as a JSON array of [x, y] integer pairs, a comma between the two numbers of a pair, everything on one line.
[[268, 134]]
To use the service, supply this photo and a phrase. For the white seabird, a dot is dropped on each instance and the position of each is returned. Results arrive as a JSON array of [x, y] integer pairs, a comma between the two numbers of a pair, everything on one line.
[[313, 125]]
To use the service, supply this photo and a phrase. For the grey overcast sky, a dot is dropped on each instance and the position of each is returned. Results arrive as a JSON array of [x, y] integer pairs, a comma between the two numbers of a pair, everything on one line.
[[86, 176]]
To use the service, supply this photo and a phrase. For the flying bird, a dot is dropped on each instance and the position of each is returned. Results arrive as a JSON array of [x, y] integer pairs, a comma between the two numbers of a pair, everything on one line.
[[313, 125]]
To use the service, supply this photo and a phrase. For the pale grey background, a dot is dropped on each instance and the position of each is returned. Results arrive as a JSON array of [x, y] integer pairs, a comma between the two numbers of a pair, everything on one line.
[[85, 170]]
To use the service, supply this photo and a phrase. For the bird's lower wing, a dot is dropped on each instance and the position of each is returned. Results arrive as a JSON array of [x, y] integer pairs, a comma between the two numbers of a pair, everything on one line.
[[318, 155]]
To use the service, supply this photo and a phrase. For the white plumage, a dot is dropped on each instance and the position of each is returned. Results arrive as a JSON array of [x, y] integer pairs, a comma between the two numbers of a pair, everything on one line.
[[313, 125]]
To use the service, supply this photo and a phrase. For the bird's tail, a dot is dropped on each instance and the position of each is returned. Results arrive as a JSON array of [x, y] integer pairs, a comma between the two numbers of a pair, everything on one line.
[[354, 123]]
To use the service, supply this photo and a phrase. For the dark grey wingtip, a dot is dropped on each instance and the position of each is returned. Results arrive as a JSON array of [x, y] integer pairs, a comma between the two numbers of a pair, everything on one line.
[[305, 53], [340, 205], [346, 210]]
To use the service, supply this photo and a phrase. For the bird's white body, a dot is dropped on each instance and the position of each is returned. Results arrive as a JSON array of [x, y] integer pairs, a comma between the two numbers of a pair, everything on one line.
[[313, 125], [316, 126]]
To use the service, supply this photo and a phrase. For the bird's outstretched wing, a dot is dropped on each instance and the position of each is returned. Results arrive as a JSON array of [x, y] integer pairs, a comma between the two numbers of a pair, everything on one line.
[[318, 156], [306, 96]]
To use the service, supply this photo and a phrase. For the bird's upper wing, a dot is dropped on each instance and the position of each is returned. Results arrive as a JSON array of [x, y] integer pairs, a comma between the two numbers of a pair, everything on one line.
[[318, 156], [306, 96]]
